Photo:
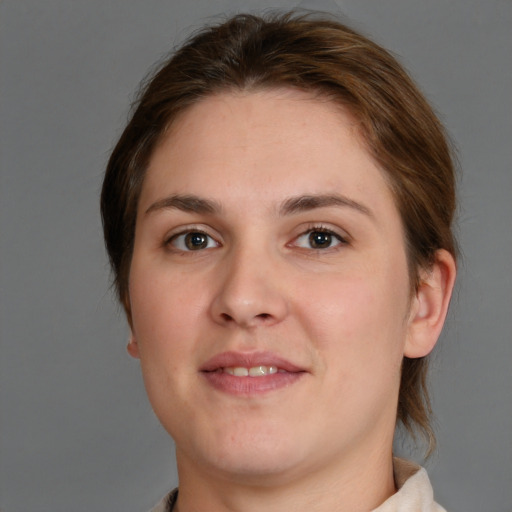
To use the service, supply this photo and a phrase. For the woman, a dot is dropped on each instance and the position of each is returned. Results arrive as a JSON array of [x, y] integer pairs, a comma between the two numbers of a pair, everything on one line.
[[278, 218]]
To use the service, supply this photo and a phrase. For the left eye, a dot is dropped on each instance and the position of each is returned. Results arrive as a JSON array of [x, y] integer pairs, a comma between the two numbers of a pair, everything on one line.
[[192, 241], [318, 239]]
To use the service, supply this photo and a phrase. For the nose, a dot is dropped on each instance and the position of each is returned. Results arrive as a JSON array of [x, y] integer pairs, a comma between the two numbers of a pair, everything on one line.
[[250, 292]]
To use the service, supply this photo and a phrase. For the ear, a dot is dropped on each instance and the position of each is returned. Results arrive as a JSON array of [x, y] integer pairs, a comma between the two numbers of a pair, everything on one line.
[[133, 347], [429, 305]]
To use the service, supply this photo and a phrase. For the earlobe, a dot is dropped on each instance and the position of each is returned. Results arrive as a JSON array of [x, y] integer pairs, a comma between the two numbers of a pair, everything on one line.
[[430, 305], [133, 347]]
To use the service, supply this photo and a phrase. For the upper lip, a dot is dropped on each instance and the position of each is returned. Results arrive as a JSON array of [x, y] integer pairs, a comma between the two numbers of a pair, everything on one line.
[[248, 360]]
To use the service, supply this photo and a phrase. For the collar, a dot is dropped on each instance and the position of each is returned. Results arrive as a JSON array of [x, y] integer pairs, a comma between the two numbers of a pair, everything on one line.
[[414, 492]]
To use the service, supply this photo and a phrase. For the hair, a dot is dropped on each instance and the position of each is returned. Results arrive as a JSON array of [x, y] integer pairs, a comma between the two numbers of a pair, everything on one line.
[[323, 56]]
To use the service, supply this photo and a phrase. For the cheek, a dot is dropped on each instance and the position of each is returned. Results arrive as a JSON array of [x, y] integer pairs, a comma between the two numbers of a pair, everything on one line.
[[164, 309], [357, 332], [164, 314], [358, 321]]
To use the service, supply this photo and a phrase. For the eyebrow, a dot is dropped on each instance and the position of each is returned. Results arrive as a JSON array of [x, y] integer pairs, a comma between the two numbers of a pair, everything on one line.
[[186, 203], [292, 205], [310, 202]]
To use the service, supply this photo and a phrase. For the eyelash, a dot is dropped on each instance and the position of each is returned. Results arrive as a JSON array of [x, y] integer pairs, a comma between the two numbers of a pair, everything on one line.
[[324, 230], [211, 242], [171, 241]]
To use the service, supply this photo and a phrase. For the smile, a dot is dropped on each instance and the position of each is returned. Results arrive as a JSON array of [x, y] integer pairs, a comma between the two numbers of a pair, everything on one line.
[[254, 371], [246, 374], [249, 364]]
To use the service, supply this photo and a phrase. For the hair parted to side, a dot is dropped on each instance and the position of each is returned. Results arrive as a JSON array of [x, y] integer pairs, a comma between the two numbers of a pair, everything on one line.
[[325, 57]]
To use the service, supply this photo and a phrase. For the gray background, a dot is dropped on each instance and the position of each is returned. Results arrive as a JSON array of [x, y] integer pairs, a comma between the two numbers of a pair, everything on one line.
[[76, 431]]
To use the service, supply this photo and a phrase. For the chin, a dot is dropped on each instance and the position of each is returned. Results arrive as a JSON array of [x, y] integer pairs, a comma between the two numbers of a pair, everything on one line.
[[260, 469], [250, 455]]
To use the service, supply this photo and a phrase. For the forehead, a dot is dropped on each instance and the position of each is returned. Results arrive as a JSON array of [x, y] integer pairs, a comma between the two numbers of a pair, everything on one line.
[[281, 142]]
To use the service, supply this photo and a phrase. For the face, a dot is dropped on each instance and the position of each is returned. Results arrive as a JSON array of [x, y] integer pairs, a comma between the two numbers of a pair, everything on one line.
[[269, 289]]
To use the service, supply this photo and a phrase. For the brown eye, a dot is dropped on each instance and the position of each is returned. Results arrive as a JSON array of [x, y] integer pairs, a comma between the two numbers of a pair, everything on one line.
[[193, 241], [320, 239]]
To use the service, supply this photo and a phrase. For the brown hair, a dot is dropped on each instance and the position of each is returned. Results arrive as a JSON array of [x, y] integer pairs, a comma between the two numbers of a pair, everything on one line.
[[325, 57]]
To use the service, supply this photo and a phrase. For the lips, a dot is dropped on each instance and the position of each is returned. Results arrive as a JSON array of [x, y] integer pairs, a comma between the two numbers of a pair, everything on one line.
[[250, 373], [248, 360]]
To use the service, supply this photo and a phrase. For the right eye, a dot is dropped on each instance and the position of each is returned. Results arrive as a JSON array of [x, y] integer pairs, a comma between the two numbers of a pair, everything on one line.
[[192, 241]]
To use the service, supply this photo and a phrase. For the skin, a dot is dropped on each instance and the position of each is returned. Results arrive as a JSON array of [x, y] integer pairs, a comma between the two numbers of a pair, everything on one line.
[[342, 313]]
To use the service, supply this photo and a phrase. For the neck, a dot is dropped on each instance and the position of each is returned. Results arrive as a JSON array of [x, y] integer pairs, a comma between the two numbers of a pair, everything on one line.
[[356, 485]]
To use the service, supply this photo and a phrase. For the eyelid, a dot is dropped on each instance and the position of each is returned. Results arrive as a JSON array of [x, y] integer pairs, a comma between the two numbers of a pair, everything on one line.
[[184, 230], [341, 235]]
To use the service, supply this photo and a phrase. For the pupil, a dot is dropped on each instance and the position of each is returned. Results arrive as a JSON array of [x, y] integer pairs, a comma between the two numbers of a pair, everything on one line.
[[195, 241], [320, 240]]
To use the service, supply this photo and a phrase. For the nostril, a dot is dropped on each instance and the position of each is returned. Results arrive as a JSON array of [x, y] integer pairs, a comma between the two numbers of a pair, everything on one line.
[[226, 317]]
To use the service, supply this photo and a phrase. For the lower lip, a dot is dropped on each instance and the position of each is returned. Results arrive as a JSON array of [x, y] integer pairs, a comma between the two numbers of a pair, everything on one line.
[[244, 386]]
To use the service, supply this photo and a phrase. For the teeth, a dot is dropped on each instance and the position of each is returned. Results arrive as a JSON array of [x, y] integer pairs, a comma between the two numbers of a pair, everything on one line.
[[255, 371]]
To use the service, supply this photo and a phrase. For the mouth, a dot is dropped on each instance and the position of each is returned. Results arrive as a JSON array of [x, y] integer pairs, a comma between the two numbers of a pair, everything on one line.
[[250, 373], [253, 371]]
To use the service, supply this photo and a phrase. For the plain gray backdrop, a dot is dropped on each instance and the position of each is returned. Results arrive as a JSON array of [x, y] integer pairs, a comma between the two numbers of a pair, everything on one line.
[[76, 430]]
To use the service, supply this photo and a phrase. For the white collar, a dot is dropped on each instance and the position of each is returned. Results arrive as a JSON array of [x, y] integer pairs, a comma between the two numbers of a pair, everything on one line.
[[414, 490]]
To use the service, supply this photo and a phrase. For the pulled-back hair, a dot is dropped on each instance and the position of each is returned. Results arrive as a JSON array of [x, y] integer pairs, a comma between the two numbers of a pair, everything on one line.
[[322, 56]]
